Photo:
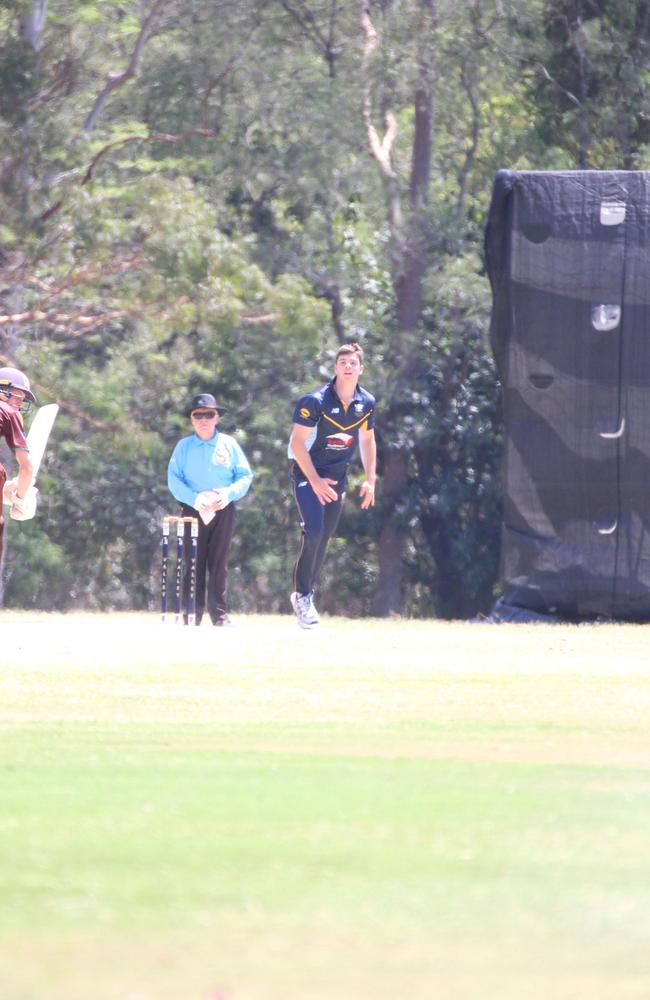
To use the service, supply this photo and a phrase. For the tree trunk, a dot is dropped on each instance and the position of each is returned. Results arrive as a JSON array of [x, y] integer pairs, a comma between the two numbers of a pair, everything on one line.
[[389, 593], [32, 24], [409, 260], [408, 291]]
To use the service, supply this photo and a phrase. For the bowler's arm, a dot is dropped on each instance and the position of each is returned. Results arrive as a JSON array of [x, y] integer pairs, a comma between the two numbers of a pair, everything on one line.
[[298, 444], [368, 451]]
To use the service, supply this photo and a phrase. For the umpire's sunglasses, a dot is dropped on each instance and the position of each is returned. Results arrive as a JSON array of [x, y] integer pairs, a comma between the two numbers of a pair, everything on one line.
[[204, 414]]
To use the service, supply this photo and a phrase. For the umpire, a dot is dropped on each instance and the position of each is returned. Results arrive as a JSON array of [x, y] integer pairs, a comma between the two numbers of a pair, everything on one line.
[[208, 472]]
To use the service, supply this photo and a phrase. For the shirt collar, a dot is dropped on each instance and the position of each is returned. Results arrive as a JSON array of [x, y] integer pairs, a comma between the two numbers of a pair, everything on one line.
[[357, 398], [212, 440]]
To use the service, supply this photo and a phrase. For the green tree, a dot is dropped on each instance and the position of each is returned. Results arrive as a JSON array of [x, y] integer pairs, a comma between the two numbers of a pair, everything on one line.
[[588, 81], [191, 201]]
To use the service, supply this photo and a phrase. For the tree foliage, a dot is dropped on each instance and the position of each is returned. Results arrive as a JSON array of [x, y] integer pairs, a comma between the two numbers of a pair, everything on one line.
[[214, 196]]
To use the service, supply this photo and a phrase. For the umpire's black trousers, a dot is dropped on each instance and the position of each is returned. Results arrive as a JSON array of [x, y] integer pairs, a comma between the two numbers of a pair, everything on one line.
[[213, 549]]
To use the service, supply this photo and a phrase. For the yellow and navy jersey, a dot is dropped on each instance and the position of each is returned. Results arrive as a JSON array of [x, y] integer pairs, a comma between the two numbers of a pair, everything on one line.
[[336, 427]]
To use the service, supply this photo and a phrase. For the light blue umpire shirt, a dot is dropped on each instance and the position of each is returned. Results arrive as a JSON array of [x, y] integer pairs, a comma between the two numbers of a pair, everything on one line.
[[216, 464]]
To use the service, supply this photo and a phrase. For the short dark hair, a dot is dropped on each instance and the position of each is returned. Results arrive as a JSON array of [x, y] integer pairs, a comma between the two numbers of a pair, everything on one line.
[[349, 349]]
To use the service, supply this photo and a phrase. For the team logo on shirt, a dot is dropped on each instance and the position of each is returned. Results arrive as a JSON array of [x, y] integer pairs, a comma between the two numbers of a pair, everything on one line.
[[339, 442], [358, 407], [304, 412]]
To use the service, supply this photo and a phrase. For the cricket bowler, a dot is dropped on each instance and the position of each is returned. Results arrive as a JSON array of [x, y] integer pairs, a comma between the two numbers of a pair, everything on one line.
[[327, 423]]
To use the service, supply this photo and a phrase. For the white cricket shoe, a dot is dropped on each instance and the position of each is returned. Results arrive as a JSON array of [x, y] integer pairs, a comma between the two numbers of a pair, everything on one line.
[[306, 613]]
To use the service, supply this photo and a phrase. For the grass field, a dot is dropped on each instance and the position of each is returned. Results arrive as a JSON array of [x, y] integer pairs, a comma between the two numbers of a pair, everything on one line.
[[373, 810]]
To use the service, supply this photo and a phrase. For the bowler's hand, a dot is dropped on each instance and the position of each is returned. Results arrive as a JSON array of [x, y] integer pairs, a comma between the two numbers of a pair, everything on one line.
[[324, 490], [367, 491]]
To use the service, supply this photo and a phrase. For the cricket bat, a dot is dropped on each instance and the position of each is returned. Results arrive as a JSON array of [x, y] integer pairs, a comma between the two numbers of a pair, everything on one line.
[[37, 438]]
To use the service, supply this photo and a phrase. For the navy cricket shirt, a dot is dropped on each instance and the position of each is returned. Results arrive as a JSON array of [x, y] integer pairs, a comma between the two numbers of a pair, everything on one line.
[[336, 428]]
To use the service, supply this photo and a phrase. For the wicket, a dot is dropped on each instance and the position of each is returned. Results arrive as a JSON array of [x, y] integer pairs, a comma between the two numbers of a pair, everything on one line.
[[180, 569]]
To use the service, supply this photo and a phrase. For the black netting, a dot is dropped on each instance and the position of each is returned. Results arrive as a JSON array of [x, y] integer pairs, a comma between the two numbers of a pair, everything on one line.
[[569, 261]]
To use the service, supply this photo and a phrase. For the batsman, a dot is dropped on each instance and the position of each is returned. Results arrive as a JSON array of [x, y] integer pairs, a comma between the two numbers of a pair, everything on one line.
[[15, 391]]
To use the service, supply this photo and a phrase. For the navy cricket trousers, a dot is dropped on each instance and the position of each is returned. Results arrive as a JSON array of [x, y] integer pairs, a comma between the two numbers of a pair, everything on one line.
[[318, 522]]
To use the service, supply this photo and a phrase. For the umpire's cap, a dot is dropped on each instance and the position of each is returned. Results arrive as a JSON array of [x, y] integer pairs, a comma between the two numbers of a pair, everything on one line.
[[205, 401]]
